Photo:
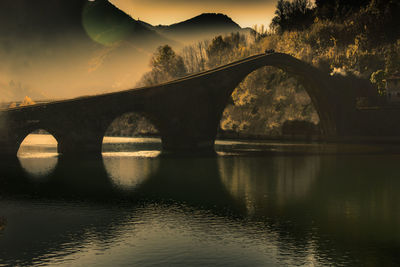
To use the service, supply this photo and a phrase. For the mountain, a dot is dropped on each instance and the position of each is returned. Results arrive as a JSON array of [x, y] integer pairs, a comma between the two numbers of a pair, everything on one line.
[[205, 21], [39, 24], [46, 20], [204, 26], [28, 21], [66, 48], [107, 24]]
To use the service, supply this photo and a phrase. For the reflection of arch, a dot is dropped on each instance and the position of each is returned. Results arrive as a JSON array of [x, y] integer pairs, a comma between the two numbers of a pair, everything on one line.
[[127, 172], [296, 227], [39, 167], [284, 180]]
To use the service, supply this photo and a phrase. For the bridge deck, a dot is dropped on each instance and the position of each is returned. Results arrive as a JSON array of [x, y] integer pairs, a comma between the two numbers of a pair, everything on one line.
[[188, 77]]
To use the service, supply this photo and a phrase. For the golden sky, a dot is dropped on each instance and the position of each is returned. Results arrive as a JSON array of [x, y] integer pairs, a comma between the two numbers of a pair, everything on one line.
[[244, 12]]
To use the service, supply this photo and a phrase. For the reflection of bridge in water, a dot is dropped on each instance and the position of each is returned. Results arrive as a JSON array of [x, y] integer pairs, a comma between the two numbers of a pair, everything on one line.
[[297, 199], [186, 111]]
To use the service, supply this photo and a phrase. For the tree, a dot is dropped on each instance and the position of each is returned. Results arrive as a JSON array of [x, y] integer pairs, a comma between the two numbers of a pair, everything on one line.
[[339, 9], [166, 62], [292, 15], [217, 51], [166, 65]]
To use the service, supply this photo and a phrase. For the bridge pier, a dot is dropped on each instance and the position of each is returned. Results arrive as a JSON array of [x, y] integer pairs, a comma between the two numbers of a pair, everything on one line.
[[178, 146], [8, 149], [9, 142], [188, 126], [77, 145]]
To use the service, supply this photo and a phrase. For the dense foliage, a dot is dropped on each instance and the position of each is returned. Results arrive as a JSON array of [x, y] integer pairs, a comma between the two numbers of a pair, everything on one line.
[[165, 65], [293, 15]]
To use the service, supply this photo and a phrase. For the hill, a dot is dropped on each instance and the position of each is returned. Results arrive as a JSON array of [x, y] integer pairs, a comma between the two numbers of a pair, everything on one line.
[[107, 24], [68, 48], [46, 20], [204, 26], [63, 49]]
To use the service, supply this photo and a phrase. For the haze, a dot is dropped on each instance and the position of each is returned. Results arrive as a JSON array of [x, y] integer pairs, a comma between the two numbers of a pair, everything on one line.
[[60, 61]]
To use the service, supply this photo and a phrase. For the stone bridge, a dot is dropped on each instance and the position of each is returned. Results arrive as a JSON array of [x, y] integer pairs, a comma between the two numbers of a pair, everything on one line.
[[186, 111]]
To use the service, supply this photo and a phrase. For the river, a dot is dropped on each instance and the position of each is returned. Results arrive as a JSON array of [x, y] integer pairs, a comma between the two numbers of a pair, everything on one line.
[[254, 204]]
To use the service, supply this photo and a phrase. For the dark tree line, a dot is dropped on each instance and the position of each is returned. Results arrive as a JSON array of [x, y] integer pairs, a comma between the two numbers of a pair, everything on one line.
[[338, 9], [376, 18], [293, 15]]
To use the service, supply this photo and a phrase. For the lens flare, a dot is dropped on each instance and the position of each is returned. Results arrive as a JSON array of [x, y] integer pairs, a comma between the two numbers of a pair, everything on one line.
[[105, 24]]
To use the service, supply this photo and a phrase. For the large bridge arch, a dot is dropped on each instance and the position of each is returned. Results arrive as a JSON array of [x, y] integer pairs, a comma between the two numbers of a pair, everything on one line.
[[264, 101], [314, 81]]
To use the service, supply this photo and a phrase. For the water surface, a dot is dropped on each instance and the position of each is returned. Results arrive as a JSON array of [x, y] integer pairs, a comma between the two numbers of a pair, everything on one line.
[[255, 204]]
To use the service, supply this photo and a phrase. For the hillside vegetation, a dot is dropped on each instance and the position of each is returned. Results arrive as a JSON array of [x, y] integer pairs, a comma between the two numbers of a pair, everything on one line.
[[358, 37]]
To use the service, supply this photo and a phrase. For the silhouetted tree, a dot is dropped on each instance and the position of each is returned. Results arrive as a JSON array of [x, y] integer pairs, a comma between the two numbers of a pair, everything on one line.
[[217, 50], [166, 65], [339, 9], [194, 56], [165, 61], [292, 15], [222, 50]]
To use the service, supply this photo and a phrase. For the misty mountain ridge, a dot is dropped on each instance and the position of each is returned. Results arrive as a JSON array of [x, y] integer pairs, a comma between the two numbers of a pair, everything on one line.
[[216, 20], [63, 49], [103, 22], [107, 24], [204, 26]]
